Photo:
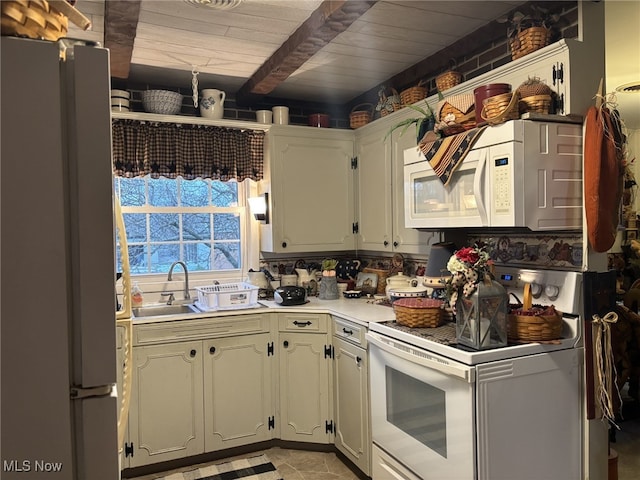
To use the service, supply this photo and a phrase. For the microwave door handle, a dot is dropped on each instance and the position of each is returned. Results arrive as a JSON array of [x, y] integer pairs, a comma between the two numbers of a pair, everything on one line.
[[478, 187]]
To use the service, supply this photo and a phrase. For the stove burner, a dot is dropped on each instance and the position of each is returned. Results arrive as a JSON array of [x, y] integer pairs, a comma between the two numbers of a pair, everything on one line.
[[444, 334]]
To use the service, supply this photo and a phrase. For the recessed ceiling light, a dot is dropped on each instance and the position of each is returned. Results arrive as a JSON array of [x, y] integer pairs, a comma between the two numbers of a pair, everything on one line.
[[215, 4], [633, 87]]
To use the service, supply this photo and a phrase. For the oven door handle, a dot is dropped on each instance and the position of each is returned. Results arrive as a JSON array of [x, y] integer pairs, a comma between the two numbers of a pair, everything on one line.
[[422, 357]]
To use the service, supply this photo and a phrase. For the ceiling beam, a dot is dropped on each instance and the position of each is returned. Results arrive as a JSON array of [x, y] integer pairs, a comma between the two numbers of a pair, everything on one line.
[[329, 20], [120, 26]]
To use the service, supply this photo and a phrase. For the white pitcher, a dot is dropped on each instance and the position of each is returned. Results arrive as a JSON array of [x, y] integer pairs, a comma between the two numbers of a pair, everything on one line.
[[212, 104]]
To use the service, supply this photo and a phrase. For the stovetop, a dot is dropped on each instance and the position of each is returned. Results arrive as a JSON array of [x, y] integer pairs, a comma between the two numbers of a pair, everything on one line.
[[562, 289]]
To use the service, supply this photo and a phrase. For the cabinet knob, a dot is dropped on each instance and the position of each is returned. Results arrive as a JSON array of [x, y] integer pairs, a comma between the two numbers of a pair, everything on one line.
[[395, 244], [286, 344], [385, 243], [192, 353], [358, 360], [284, 244], [212, 350]]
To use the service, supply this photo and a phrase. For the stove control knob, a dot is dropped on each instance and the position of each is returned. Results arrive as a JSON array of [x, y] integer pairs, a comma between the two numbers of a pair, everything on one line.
[[536, 290], [551, 291]]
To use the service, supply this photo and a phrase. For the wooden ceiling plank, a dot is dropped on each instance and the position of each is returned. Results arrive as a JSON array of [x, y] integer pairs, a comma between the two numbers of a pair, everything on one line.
[[324, 24], [121, 23]]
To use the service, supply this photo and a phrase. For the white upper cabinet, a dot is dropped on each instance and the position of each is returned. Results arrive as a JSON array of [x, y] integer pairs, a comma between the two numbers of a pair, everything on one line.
[[380, 191], [310, 181]]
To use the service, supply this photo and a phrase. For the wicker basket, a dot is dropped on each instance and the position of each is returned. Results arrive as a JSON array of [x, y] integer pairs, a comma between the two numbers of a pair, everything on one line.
[[448, 80], [360, 117], [536, 103], [413, 94], [534, 328], [529, 40], [33, 19], [464, 120], [500, 108], [419, 312]]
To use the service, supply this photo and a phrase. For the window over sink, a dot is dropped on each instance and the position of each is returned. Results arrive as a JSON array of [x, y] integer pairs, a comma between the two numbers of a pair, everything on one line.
[[202, 222]]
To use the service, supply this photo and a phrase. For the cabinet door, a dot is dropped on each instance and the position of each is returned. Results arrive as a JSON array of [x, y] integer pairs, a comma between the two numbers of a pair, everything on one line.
[[304, 387], [237, 391], [374, 192], [351, 384], [166, 417], [406, 240], [312, 194]]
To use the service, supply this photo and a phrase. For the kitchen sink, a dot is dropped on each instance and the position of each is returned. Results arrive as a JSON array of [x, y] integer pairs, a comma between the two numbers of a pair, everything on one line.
[[160, 310]]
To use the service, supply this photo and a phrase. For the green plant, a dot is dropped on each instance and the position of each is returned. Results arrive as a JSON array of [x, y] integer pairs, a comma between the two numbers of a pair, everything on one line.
[[427, 115], [329, 264], [536, 16]]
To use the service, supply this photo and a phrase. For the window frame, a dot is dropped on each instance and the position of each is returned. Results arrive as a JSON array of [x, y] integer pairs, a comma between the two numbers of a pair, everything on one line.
[[249, 237]]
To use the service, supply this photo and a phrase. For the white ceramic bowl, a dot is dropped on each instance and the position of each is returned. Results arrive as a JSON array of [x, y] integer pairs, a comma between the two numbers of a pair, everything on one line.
[[164, 102], [406, 292]]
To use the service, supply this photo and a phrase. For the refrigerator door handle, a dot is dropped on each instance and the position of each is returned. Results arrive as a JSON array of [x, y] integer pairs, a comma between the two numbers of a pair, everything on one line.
[[78, 393]]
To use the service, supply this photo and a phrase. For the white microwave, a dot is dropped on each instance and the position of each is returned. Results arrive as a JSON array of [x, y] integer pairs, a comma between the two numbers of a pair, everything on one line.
[[522, 173]]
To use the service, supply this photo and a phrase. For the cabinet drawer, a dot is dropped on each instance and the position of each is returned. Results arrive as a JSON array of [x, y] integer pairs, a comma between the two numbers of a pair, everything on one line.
[[350, 331], [298, 322], [200, 328]]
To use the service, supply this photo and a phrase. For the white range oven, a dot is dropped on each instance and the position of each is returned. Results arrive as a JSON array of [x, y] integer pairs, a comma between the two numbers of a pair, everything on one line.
[[444, 411]]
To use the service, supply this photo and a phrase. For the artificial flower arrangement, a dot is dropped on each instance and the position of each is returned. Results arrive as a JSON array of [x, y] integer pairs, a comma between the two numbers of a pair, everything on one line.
[[468, 266]]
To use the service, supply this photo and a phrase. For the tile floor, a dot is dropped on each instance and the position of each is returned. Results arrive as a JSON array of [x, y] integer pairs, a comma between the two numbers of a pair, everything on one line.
[[292, 464]]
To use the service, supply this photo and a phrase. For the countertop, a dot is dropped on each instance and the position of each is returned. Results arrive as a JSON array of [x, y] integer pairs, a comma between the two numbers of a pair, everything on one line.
[[358, 310]]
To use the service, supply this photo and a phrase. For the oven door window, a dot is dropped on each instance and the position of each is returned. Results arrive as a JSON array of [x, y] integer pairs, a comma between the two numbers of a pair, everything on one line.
[[418, 409]]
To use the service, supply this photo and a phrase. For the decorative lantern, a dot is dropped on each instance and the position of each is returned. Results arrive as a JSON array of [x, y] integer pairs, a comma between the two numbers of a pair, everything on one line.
[[479, 302], [481, 318]]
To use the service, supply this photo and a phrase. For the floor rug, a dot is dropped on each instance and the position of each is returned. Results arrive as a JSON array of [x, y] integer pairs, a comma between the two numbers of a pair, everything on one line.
[[251, 468]]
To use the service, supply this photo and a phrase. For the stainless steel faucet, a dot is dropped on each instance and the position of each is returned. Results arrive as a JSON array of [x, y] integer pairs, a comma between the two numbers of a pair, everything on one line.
[[186, 277]]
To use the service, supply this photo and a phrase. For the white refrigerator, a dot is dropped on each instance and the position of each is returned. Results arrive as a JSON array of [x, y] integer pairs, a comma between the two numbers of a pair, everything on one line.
[[58, 339]]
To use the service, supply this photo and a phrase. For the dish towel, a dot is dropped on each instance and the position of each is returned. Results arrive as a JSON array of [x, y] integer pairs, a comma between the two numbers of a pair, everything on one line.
[[447, 153]]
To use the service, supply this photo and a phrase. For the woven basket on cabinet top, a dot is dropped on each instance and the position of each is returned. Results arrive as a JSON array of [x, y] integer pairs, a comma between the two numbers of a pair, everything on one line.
[[413, 94], [359, 116], [529, 40], [448, 80], [500, 108]]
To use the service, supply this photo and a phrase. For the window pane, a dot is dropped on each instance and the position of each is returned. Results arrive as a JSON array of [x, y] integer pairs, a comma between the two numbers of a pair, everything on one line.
[[194, 193], [163, 192], [198, 255], [226, 256], [131, 191], [196, 226], [226, 226], [224, 194], [138, 258], [136, 226], [164, 227], [163, 255]]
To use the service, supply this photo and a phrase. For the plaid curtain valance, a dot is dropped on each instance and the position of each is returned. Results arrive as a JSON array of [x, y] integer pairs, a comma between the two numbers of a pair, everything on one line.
[[189, 151]]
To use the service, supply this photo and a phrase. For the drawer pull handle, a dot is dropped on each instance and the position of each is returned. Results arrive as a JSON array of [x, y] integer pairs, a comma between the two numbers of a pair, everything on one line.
[[301, 324], [347, 332]]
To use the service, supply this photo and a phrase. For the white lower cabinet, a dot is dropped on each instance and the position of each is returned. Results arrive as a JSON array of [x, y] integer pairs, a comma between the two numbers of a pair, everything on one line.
[[304, 352], [166, 419], [238, 406], [351, 394]]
